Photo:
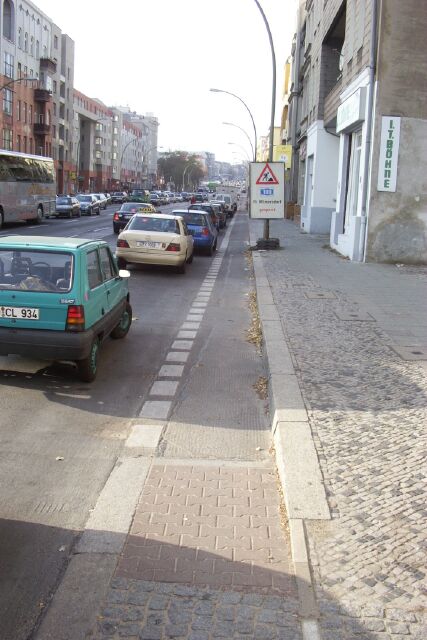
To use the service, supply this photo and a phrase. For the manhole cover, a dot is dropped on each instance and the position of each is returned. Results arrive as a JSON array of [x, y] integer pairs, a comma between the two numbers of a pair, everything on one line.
[[319, 295], [357, 316]]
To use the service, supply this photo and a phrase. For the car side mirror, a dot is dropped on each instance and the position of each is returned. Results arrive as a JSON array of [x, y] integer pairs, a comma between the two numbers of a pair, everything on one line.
[[124, 273]]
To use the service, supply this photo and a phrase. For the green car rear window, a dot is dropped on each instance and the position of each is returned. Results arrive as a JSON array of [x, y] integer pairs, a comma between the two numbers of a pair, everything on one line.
[[29, 270]]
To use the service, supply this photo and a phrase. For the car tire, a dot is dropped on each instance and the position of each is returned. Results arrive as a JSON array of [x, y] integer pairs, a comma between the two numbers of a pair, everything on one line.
[[122, 329], [79, 214], [181, 267], [98, 211], [39, 218], [190, 259], [70, 214], [210, 251], [88, 367], [121, 263]]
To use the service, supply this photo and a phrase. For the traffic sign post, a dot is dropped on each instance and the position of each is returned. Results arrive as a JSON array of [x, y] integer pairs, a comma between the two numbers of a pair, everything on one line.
[[267, 196]]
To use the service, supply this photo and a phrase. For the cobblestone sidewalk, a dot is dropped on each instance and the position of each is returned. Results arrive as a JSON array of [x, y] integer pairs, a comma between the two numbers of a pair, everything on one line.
[[367, 410], [206, 557]]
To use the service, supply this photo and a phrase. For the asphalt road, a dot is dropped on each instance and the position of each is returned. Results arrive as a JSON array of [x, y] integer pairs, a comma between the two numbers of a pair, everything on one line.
[[60, 438]]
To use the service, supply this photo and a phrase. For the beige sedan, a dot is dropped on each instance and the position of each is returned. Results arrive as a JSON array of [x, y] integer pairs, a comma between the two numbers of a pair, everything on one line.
[[155, 239]]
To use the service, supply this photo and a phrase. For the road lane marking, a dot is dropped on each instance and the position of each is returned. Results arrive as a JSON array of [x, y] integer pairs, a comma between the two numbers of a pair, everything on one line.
[[184, 335], [164, 388], [155, 409], [185, 345], [177, 356], [171, 371]]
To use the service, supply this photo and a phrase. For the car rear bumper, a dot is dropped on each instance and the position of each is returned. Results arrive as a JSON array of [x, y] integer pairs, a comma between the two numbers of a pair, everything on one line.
[[167, 258], [203, 243], [45, 345]]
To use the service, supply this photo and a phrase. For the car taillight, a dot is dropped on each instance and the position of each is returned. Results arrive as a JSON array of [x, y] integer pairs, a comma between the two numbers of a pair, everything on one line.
[[205, 231], [116, 216], [123, 243], [173, 246], [75, 318]]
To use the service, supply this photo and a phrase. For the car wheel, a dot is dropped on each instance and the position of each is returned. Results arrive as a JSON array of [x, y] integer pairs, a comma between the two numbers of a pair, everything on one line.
[[121, 330], [98, 211], [70, 213], [210, 250], [190, 259], [88, 367], [79, 214], [181, 267], [121, 263]]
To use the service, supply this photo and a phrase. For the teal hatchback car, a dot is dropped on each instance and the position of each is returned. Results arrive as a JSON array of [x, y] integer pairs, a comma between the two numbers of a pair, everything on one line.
[[60, 298]]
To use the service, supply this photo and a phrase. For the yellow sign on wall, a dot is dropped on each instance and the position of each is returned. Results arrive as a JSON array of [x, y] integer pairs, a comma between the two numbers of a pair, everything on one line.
[[283, 153]]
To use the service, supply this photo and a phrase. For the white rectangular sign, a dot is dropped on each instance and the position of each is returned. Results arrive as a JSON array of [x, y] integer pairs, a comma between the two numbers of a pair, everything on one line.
[[389, 153], [267, 190]]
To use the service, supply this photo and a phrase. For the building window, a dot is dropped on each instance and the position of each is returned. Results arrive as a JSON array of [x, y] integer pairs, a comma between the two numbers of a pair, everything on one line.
[[7, 101], [44, 51], [30, 114], [26, 41], [32, 46], [25, 144], [98, 155], [8, 20], [18, 110], [37, 49], [18, 143], [19, 70], [98, 140], [54, 109], [25, 114], [114, 155], [55, 41], [7, 139], [8, 65], [19, 38], [54, 86]]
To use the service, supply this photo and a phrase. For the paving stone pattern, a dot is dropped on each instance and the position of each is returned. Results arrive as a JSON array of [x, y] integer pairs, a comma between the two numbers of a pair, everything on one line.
[[206, 558], [367, 410]]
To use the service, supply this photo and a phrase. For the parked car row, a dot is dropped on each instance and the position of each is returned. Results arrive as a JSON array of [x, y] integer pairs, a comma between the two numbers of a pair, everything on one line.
[[81, 204]]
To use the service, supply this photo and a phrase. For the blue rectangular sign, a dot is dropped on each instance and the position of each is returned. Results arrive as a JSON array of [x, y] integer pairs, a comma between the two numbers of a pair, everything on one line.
[[267, 192]]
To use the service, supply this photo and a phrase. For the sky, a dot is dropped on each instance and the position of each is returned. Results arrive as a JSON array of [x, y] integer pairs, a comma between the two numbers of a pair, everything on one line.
[[164, 56]]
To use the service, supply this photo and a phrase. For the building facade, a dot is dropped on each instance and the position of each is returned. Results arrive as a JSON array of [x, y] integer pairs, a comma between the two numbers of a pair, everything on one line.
[[38, 66], [358, 94]]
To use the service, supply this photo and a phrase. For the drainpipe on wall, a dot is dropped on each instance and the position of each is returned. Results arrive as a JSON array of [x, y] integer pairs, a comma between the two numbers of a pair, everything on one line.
[[372, 66]]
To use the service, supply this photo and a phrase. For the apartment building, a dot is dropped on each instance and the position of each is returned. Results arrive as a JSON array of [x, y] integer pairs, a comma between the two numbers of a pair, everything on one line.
[[36, 111], [91, 144], [358, 81], [148, 124]]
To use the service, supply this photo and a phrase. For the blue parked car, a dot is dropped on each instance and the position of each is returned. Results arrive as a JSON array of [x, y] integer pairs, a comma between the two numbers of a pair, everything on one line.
[[201, 227], [60, 298]]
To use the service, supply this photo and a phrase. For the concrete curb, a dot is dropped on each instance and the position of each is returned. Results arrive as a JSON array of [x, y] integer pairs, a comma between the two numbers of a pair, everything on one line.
[[296, 456]]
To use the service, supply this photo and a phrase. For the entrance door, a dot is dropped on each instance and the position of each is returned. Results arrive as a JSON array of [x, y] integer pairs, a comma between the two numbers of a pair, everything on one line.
[[308, 187], [353, 177]]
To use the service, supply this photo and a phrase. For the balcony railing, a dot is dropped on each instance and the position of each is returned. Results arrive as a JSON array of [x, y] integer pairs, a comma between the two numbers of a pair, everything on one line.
[[41, 94]]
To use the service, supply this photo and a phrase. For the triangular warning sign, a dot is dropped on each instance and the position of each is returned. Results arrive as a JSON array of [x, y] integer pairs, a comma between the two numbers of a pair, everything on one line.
[[267, 176]]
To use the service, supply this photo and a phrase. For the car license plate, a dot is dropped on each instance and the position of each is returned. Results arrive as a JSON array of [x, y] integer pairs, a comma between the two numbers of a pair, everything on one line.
[[19, 313], [149, 245]]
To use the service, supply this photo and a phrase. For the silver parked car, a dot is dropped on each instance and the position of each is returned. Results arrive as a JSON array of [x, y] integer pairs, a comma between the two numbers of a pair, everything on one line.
[[102, 199]]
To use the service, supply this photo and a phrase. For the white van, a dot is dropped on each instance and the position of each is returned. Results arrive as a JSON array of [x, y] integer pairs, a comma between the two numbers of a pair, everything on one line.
[[226, 199]]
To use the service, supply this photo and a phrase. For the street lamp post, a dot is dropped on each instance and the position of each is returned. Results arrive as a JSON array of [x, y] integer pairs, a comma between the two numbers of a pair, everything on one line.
[[24, 79], [230, 124], [246, 107], [266, 243], [242, 148], [183, 174]]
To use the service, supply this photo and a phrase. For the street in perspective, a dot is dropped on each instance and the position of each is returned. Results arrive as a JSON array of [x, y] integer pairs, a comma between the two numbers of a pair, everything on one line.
[[213, 363]]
